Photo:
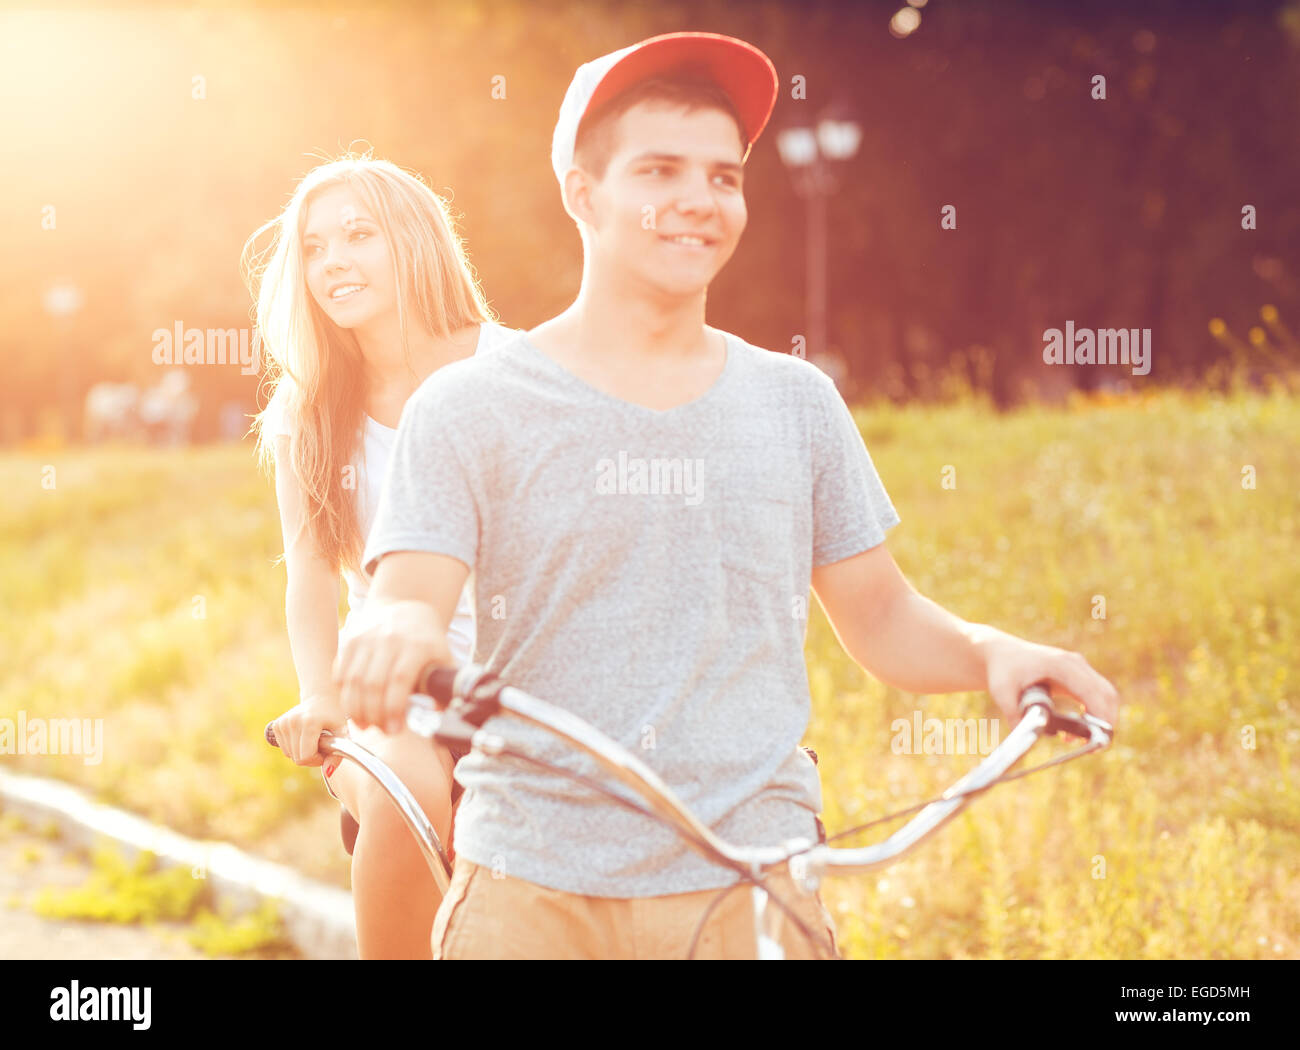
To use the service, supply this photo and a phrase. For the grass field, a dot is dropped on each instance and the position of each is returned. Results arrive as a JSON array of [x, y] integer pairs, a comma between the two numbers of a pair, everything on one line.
[[140, 588]]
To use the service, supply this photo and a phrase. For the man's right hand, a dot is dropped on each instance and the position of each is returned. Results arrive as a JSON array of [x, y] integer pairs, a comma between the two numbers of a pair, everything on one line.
[[377, 669]]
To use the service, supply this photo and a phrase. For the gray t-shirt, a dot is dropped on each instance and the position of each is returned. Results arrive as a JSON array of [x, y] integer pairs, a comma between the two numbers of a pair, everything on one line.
[[650, 572]]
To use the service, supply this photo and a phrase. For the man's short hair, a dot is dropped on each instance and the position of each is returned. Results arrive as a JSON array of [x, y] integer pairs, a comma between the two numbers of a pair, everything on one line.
[[689, 90]]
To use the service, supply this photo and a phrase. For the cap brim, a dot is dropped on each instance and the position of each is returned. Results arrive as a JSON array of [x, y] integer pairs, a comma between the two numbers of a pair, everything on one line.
[[741, 70]]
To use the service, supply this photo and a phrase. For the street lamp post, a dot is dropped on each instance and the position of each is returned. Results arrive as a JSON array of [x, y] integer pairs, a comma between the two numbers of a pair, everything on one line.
[[811, 153], [61, 302]]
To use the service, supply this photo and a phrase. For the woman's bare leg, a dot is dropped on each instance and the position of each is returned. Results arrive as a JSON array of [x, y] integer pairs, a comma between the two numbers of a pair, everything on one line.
[[393, 890]]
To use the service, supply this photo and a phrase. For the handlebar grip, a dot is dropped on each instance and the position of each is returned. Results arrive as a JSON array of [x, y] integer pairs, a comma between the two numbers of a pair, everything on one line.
[[269, 733], [1038, 693], [1085, 727], [439, 683]]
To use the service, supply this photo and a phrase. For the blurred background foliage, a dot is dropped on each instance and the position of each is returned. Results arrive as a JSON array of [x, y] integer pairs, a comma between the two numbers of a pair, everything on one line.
[[1117, 213]]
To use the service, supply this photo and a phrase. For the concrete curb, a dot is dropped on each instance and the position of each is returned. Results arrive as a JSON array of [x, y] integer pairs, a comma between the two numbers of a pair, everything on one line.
[[319, 919]]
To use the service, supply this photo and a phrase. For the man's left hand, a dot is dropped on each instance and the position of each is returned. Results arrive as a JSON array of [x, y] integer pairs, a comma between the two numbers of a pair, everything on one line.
[[1015, 664]]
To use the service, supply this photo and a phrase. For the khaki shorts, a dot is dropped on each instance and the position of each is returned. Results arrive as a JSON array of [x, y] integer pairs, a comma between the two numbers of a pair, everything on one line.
[[487, 917]]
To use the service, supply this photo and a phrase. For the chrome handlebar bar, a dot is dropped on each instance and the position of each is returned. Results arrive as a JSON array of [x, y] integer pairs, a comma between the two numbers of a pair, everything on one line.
[[468, 697]]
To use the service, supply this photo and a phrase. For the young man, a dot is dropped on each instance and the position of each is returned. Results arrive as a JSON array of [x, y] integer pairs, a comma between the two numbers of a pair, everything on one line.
[[644, 501]]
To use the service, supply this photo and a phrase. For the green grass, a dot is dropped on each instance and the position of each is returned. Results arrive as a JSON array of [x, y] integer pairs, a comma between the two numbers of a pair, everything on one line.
[[142, 892], [1178, 842]]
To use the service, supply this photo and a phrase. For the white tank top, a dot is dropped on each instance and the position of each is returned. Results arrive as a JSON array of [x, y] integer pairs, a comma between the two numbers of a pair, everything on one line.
[[372, 465]]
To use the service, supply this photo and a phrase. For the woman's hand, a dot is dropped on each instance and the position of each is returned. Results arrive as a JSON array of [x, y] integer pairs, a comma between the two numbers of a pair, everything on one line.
[[298, 730]]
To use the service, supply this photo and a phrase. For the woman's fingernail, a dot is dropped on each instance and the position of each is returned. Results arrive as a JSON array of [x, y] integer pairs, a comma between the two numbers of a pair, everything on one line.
[[329, 770]]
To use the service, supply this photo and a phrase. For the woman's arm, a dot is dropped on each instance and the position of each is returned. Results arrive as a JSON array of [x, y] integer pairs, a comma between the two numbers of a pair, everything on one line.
[[311, 605]]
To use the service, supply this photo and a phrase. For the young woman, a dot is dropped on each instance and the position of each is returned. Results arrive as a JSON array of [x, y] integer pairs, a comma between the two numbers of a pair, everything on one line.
[[363, 292]]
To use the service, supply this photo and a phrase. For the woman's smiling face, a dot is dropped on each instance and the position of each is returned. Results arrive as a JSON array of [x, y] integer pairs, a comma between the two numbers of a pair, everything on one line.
[[346, 259]]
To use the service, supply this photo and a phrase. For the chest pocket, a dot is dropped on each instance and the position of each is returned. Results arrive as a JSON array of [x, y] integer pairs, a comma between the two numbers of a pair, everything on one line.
[[757, 525]]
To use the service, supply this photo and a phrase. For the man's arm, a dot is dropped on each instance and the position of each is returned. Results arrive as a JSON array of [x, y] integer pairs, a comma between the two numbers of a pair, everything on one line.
[[411, 601], [910, 642], [421, 547]]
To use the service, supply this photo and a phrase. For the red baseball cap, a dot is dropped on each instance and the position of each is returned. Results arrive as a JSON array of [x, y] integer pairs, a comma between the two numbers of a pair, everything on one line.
[[741, 70]]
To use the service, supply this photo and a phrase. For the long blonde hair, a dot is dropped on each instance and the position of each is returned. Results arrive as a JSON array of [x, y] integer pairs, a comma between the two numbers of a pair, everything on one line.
[[314, 367]]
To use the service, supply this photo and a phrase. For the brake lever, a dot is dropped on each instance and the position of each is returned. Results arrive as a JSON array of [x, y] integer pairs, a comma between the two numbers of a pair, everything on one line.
[[447, 726], [1098, 732], [1085, 726]]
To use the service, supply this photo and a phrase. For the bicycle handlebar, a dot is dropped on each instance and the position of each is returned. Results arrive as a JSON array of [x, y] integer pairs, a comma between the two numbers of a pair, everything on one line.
[[408, 807], [452, 706], [440, 683]]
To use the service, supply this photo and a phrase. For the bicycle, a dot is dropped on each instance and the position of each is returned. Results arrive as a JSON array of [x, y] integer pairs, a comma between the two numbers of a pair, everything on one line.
[[452, 706], [435, 854]]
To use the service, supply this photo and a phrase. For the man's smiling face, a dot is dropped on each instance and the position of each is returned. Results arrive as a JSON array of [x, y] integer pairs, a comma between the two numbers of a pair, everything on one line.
[[670, 208]]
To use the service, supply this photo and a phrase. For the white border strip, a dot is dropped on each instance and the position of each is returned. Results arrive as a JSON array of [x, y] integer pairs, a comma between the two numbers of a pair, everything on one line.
[[319, 919]]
